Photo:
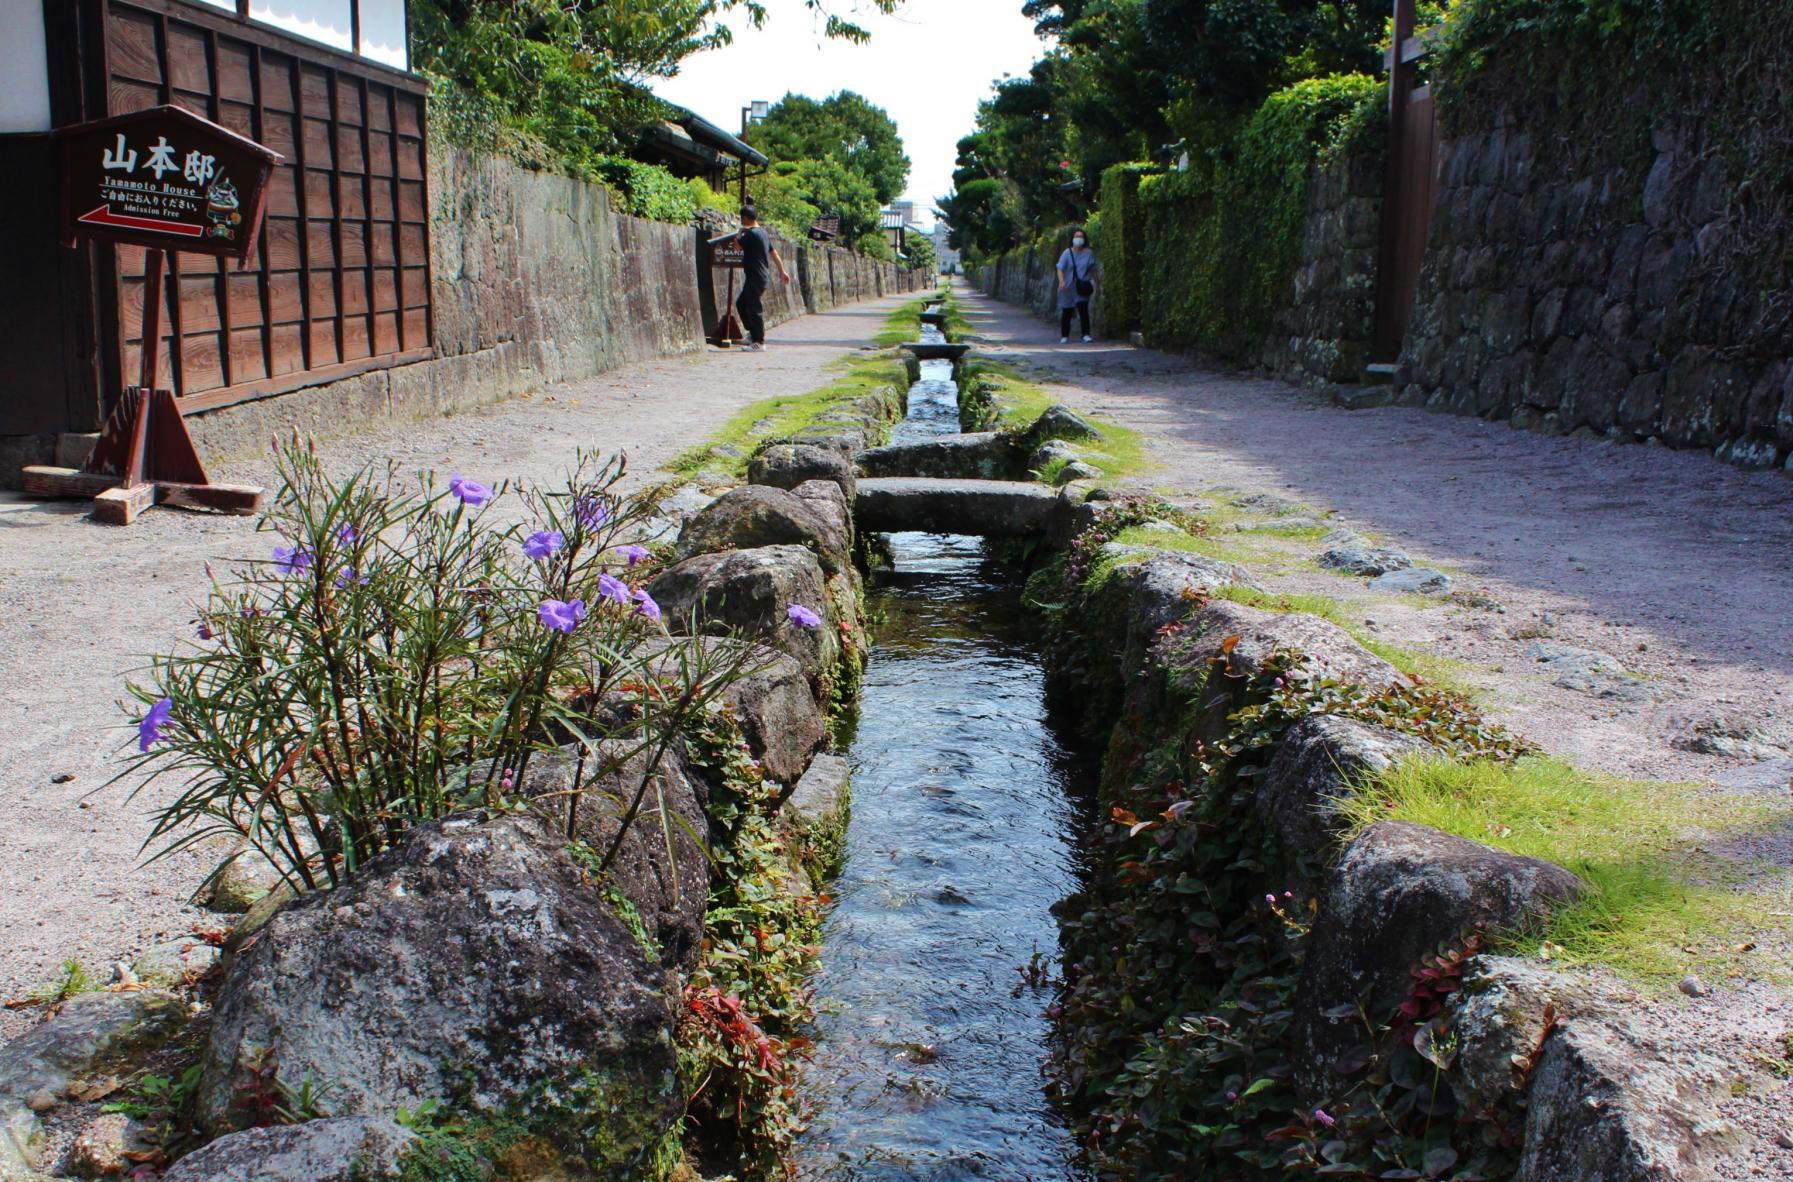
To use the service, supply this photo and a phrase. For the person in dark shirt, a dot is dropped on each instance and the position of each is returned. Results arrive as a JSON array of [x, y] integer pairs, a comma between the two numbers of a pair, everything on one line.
[[758, 256]]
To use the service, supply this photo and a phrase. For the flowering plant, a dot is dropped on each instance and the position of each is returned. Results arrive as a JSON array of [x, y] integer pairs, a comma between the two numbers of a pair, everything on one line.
[[318, 717]]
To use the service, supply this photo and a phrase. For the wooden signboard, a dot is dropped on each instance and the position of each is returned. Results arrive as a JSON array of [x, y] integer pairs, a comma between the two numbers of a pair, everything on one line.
[[163, 178], [728, 253], [168, 180]]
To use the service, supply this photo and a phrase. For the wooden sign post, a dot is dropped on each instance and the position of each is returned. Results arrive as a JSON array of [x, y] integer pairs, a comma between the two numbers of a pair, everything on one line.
[[727, 252], [164, 179]]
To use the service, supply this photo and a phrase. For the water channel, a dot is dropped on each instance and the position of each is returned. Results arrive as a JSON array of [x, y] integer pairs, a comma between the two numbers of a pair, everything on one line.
[[930, 1043]]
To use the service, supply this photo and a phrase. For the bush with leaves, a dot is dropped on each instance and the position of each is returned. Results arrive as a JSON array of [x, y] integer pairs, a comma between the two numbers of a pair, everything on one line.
[[1183, 952], [402, 653]]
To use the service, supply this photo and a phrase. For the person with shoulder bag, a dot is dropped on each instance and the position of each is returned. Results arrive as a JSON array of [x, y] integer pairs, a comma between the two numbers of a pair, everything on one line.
[[1078, 270]]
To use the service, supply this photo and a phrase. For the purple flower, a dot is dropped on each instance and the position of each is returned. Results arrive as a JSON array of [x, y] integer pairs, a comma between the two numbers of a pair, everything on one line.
[[562, 616], [611, 587], [471, 492], [346, 535], [347, 575], [592, 512], [646, 606], [291, 559], [150, 730], [543, 542], [1270, 899], [1320, 1115], [802, 616], [205, 631], [633, 553]]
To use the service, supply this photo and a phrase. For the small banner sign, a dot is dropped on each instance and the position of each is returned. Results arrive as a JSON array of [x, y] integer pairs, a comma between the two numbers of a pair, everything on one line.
[[166, 179]]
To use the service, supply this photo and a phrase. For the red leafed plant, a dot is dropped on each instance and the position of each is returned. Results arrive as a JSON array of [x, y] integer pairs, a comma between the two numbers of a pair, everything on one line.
[[732, 1025], [1434, 979]]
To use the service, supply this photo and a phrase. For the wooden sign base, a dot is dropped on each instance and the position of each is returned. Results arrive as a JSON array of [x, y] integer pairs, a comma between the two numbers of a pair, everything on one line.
[[144, 457]]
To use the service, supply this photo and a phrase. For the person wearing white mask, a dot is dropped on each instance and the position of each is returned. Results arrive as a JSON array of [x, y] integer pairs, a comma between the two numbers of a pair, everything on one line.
[[1077, 274]]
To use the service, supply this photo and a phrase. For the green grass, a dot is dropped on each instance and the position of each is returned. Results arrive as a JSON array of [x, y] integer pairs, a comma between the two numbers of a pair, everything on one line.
[[1052, 471], [1655, 903], [1206, 546], [786, 414], [1120, 452], [903, 324], [1443, 672]]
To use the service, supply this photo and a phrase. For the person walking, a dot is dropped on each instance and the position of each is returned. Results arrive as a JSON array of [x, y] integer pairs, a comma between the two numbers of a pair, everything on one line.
[[758, 256], [1078, 269]]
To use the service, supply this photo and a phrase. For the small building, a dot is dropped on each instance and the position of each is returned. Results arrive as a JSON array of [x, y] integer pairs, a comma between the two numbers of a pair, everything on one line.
[[340, 280], [687, 145]]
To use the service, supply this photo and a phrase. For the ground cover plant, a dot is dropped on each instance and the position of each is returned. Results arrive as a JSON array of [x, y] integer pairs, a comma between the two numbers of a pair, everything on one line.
[[401, 653], [1656, 902], [996, 396]]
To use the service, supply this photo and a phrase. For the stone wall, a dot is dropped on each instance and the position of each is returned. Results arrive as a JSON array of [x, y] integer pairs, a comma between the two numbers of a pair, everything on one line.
[[537, 280], [822, 277], [1575, 284], [1325, 331]]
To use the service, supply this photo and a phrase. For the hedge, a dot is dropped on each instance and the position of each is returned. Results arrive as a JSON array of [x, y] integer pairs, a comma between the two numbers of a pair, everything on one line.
[[1226, 233]]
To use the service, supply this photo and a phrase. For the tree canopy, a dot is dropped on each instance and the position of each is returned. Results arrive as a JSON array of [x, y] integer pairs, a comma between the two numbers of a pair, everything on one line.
[[1129, 80], [570, 77], [844, 128]]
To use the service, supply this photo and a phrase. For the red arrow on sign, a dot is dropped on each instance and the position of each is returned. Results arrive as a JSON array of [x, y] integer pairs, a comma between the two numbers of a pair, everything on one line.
[[102, 216]]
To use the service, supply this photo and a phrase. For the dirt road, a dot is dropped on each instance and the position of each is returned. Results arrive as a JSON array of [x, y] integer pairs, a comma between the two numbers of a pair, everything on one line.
[[1675, 566], [82, 604]]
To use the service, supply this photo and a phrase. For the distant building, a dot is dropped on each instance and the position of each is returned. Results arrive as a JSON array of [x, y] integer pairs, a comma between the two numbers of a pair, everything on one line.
[[947, 256]]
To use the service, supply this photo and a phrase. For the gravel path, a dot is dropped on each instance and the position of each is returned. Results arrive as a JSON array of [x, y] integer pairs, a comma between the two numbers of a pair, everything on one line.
[[1678, 567], [81, 604], [1672, 570]]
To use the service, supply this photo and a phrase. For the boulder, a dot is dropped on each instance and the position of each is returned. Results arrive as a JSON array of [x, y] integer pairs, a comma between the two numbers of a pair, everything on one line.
[[475, 964], [749, 593], [1077, 470], [1242, 639], [109, 1147], [335, 1149], [824, 792], [1614, 1101], [668, 890], [1348, 552], [757, 515], [90, 1034], [985, 455], [786, 465], [172, 962], [246, 878], [1315, 770], [989, 508], [1400, 892], [1061, 422], [1588, 671], [774, 706], [1500, 1018], [1162, 587], [1412, 580], [826, 498], [1050, 451]]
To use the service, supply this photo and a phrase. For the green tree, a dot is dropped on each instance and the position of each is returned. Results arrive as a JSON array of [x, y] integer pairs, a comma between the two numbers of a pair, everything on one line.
[[844, 128], [567, 78]]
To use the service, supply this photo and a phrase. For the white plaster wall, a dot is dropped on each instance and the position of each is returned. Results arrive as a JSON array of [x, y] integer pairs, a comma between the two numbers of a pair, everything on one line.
[[24, 70]]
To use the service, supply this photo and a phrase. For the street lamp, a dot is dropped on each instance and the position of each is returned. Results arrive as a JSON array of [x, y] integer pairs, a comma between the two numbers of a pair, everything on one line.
[[752, 113]]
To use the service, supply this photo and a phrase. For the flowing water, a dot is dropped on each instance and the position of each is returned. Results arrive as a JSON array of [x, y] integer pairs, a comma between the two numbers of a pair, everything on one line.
[[930, 1041]]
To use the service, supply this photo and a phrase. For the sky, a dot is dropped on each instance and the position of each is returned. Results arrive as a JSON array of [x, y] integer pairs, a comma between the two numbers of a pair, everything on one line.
[[928, 65]]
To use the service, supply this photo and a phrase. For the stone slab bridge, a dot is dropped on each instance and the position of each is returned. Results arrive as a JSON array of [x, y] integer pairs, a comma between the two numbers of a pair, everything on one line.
[[984, 508]]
